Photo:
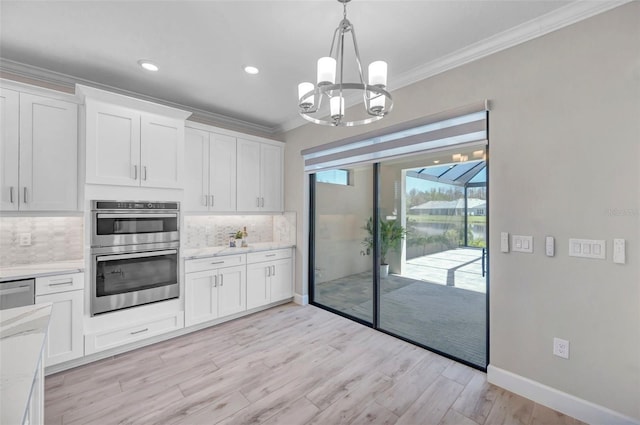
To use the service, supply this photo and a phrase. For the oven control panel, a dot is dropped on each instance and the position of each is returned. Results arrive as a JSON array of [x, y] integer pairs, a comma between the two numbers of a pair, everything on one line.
[[135, 205]]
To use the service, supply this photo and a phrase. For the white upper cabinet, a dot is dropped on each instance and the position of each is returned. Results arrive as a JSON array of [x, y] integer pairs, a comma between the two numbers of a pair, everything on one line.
[[210, 171], [131, 142], [9, 148], [39, 147], [260, 176]]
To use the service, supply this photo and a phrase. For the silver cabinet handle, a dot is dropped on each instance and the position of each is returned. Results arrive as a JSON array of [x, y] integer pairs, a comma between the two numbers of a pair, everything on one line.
[[217, 262], [205, 200], [215, 281], [135, 172], [262, 202], [270, 255], [221, 279], [140, 331], [11, 194], [258, 202], [25, 199], [68, 282], [145, 172], [212, 200], [268, 270], [274, 270]]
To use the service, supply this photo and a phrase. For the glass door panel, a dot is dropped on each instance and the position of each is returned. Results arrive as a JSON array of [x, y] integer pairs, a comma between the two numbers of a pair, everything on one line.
[[435, 290], [342, 279]]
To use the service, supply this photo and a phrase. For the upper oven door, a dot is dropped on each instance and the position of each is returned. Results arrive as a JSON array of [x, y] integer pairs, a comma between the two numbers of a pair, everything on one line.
[[116, 228]]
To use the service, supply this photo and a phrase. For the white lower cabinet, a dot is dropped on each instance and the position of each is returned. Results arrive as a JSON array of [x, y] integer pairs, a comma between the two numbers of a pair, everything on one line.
[[214, 293], [104, 340], [269, 277], [65, 339]]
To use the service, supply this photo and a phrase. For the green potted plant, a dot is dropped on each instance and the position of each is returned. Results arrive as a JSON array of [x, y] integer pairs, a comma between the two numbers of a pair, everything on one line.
[[391, 234]]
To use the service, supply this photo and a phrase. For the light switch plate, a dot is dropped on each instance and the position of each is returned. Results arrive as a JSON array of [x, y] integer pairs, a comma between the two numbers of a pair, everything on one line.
[[504, 242], [549, 246], [521, 243], [587, 248], [619, 254]]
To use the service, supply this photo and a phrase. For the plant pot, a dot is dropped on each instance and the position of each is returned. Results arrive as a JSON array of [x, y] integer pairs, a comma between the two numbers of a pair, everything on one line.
[[384, 271]]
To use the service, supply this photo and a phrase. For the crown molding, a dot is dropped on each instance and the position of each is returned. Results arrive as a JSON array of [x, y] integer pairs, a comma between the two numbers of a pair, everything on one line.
[[567, 15], [67, 84]]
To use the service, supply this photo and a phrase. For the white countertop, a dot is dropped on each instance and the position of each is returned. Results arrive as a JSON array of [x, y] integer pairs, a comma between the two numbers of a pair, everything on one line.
[[27, 271], [23, 332], [214, 251]]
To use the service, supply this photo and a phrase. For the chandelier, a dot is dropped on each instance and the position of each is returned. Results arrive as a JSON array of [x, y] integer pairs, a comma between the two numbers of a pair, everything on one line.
[[377, 101]]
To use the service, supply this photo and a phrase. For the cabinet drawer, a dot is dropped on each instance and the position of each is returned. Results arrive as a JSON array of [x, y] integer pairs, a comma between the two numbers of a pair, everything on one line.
[[277, 254], [59, 283], [117, 337], [211, 263]]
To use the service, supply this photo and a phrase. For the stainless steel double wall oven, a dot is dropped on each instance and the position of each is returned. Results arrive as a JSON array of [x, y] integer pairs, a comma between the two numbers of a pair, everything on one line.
[[134, 253]]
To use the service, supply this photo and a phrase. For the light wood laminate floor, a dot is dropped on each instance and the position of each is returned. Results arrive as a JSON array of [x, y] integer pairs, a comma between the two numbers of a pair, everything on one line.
[[287, 365]]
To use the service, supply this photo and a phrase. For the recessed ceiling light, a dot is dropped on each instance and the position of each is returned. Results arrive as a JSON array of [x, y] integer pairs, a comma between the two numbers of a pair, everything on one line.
[[251, 70], [437, 161], [148, 65]]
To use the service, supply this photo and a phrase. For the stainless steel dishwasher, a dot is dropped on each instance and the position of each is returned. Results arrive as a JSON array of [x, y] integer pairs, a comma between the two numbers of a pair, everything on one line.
[[17, 293]]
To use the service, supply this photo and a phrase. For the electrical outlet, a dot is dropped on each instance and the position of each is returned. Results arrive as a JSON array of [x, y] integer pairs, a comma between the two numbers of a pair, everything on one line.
[[561, 348], [24, 239]]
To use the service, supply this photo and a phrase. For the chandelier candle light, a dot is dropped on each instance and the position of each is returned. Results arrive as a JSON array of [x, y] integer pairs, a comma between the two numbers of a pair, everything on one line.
[[377, 101]]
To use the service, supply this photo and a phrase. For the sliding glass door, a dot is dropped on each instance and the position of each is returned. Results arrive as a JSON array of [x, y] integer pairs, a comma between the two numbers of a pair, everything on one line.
[[421, 222], [435, 292], [342, 264]]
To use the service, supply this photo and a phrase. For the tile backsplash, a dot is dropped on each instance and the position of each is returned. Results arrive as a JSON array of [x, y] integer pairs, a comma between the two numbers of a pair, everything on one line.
[[204, 231], [52, 239]]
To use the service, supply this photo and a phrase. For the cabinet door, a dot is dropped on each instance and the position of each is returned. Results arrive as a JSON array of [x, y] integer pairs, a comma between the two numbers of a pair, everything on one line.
[[201, 297], [248, 174], [222, 172], [48, 154], [232, 287], [9, 142], [65, 339], [161, 152], [258, 287], [271, 177], [281, 280], [113, 144], [196, 160]]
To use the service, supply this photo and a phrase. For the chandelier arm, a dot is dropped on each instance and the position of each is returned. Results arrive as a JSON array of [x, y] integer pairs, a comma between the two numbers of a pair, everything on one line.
[[333, 42]]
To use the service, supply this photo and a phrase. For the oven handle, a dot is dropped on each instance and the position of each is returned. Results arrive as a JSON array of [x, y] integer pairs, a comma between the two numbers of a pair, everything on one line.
[[141, 215], [18, 290], [135, 255]]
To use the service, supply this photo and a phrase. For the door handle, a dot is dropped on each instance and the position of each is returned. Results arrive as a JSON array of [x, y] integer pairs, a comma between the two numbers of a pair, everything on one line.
[[205, 201], [221, 279], [140, 331], [11, 194], [25, 195], [258, 202], [268, 270], [145, 172], [212, 200], [262, 202], [274, 270], [135, 172]]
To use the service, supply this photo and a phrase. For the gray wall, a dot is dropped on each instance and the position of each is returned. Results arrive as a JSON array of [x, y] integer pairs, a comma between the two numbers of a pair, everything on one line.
[[564, 161]]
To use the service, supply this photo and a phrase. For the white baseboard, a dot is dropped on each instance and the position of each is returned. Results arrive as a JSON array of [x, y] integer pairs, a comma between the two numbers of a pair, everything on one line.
[[557, 400], [301, 299]]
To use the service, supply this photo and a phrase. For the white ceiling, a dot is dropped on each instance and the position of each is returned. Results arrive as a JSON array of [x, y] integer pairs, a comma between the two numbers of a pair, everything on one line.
[[201, 47]]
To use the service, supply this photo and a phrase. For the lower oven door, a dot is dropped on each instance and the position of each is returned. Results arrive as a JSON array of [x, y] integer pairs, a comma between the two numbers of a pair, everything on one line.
[[134, 278]]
